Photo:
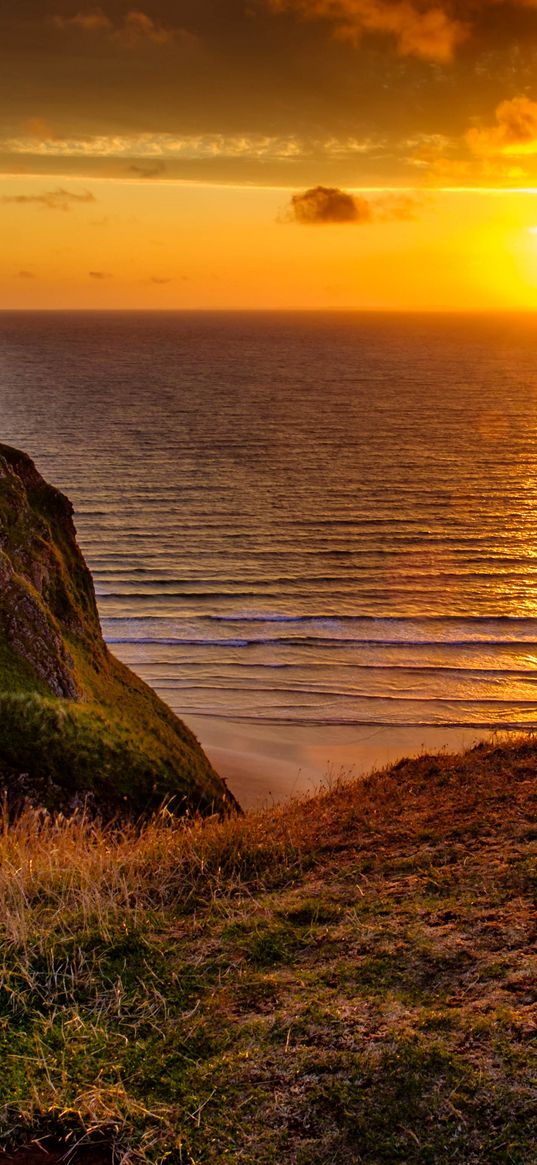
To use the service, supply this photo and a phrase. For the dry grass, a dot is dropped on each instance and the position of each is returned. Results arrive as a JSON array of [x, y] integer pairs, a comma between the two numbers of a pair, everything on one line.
[[53, 870], [350, 978]]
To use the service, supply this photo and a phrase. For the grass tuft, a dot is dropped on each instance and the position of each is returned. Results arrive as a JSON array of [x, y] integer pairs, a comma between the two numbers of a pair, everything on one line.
[[349, 978]]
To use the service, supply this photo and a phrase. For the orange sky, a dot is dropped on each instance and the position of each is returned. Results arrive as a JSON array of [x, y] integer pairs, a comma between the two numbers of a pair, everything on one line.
[[268, 153]]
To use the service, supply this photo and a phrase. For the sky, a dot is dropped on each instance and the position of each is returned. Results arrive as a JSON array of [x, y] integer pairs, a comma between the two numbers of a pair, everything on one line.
[[280, 154]]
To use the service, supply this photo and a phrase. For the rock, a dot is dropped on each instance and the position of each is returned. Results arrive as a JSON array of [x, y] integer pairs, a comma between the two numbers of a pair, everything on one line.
[[75, 723]]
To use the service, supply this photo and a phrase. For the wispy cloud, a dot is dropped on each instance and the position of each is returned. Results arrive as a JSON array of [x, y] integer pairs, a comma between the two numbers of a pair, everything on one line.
[[148, 151], [99, 275], [147, 169], [432, 30], [93, 20], [428, 30], [51, 200], [39, 129], [138, 26], [514, 132], [135, 27], [396, 207], [25, 275]]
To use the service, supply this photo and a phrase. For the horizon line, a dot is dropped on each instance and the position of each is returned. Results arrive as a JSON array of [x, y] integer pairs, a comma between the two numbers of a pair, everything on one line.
[[448, 310]]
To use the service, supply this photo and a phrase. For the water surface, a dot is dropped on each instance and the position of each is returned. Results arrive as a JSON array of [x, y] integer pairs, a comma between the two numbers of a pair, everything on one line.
[[302, 519]]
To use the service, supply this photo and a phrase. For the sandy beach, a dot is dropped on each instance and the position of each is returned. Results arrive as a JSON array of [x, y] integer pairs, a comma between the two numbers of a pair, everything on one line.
[[264, 763]]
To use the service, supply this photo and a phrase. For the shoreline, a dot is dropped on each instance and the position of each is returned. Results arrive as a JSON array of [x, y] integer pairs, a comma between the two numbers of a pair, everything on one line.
[[264, 764]]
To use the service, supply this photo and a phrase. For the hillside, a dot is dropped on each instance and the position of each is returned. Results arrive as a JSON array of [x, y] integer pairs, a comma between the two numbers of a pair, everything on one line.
[[76, 725], [346, 979]]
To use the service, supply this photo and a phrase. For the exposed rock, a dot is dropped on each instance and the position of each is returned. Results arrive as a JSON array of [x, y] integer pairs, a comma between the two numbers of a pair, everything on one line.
[[73, 720]]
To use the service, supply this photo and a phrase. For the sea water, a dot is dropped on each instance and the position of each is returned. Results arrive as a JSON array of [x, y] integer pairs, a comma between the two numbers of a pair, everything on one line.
[[312, 519]]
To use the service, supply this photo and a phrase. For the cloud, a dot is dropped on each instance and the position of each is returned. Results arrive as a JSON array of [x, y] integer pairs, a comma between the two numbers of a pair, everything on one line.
[[147, 169], [39, 129], [135, 26], [427, 30], [514, 133], [138, 26], [328, 205], [94, 20], [52, 200], [25, 275], [146, 154], [99, 275], [396, 208], [161, 279]]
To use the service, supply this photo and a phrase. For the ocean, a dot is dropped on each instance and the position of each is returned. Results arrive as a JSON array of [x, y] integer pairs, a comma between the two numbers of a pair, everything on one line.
[[309, 519]]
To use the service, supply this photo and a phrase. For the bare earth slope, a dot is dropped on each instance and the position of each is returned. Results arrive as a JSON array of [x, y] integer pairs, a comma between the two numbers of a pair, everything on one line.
[[75, 723]]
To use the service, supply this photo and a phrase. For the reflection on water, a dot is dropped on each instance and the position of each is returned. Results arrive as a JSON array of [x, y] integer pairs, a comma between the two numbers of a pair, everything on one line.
[[303, 518]]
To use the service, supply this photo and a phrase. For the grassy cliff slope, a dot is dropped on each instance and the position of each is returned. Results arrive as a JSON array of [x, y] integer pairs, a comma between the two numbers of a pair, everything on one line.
[[350, 979], [74, 721]]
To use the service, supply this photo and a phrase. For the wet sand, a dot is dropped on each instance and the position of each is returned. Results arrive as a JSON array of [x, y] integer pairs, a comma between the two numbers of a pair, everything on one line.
[[265, 763]]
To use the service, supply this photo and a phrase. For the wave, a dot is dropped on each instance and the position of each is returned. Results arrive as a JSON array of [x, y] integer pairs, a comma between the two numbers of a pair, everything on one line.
[[403, 621], [344, 618], [299, 506], [312, 665], [355, 722], [348, 693], [158, 587], [185, 642], [311, 642]]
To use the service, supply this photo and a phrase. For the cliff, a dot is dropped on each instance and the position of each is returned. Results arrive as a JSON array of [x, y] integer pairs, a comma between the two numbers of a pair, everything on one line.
[[76, 725]]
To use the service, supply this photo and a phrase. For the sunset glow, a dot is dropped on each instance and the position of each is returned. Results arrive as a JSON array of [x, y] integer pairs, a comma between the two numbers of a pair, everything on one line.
[[280, 155], [268, 581]]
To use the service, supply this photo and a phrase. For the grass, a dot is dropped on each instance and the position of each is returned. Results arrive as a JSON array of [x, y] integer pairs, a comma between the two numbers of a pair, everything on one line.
[[75, 723], [348, 979], [121, 749]]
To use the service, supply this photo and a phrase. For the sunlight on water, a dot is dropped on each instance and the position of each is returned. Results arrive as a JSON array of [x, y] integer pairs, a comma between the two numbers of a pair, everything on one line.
[[311, 519]]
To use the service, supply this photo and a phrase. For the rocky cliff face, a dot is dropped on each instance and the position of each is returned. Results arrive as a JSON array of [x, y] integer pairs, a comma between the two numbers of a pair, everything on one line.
[[74, 722], [45, 586]]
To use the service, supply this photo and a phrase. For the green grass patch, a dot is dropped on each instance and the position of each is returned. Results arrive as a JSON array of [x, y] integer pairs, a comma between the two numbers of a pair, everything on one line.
[[240, 992]]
